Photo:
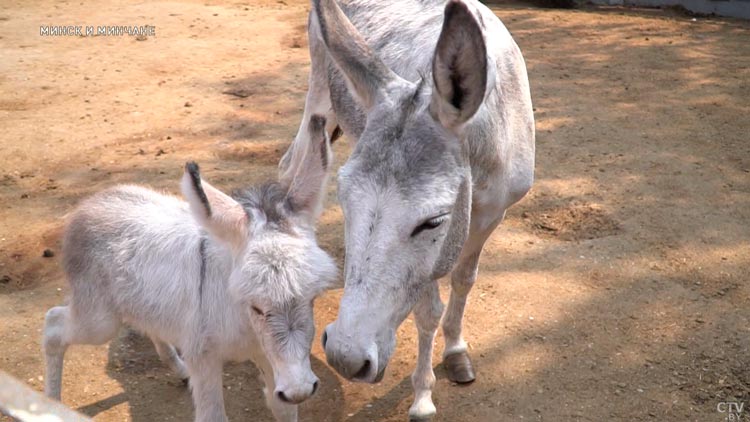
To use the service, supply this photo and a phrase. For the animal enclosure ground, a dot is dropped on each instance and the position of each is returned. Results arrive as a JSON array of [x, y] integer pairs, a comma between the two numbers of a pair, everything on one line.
[[616, 291]]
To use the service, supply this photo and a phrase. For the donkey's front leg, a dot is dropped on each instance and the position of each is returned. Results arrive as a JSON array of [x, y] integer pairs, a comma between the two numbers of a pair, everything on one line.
[[455, 358], [206, 383], [427, 315]]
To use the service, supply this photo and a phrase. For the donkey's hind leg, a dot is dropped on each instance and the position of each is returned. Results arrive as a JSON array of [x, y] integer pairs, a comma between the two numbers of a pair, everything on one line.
[[455, 358], [317, 102], [64, 326], [168, 354]]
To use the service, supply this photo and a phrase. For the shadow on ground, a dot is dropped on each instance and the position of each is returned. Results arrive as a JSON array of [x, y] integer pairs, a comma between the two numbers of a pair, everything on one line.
[[134, 364]]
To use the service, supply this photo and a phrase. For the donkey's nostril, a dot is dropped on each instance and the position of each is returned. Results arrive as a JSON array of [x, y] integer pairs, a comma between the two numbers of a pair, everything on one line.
[[362, 374], [315, 388], [282, 397], [325, 338]]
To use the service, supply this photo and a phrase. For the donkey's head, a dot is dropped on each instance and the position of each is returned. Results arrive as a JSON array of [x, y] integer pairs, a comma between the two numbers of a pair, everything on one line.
[[406, 190], [277, 267]]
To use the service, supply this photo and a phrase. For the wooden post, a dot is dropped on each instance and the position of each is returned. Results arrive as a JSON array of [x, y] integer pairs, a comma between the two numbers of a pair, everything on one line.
[[23, 404]]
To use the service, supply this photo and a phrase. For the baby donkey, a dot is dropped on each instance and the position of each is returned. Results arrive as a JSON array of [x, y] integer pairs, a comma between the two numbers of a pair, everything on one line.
[[219, 278]]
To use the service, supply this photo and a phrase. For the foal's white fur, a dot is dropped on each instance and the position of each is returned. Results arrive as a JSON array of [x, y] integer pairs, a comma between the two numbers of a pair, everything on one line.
[[218, 278]]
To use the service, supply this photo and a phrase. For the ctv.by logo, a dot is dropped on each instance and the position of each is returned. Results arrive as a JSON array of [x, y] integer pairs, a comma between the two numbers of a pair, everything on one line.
[[732, 410]]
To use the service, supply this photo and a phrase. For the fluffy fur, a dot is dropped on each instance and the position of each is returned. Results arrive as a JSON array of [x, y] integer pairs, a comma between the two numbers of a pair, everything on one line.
[[216, 278]]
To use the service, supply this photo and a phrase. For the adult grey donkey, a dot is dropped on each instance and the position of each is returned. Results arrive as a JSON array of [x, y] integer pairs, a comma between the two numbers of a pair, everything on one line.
[[217, 277], [437, 97]]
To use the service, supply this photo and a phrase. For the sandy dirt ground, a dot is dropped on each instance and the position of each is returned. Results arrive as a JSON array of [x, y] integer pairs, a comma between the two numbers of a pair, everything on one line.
[[616, 291]]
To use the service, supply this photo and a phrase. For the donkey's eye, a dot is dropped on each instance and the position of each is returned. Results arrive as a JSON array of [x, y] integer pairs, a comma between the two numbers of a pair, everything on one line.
[[430, 224], [257, 311]]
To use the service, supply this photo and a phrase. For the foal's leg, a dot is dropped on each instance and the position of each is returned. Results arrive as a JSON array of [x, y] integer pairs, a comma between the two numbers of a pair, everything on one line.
[[63, 326], [206, 383], [169, 355], [427, 314], [455, 358]]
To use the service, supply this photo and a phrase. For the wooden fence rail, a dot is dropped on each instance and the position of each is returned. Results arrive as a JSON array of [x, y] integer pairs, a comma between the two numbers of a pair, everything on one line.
[[24, 404]]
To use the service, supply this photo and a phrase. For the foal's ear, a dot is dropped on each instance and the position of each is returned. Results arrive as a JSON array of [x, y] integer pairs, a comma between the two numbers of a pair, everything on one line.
[[307, 174], [459, 68], [223, 217]]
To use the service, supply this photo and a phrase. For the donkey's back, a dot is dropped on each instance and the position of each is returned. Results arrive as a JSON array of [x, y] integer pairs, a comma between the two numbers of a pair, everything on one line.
[[404, 33], [133, 252], [122, 223]]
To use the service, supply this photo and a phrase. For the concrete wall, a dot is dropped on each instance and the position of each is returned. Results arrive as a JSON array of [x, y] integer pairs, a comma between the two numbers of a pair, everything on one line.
[[732, 8]]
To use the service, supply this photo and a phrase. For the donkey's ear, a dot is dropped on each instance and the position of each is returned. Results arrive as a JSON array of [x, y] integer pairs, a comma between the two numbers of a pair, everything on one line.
[[459, 68], [223, 217], [307, 174], [367, 76]]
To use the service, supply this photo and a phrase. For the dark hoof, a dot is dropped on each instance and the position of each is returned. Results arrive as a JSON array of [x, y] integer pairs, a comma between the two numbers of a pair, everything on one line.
[[459, 368], [185, 381]]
